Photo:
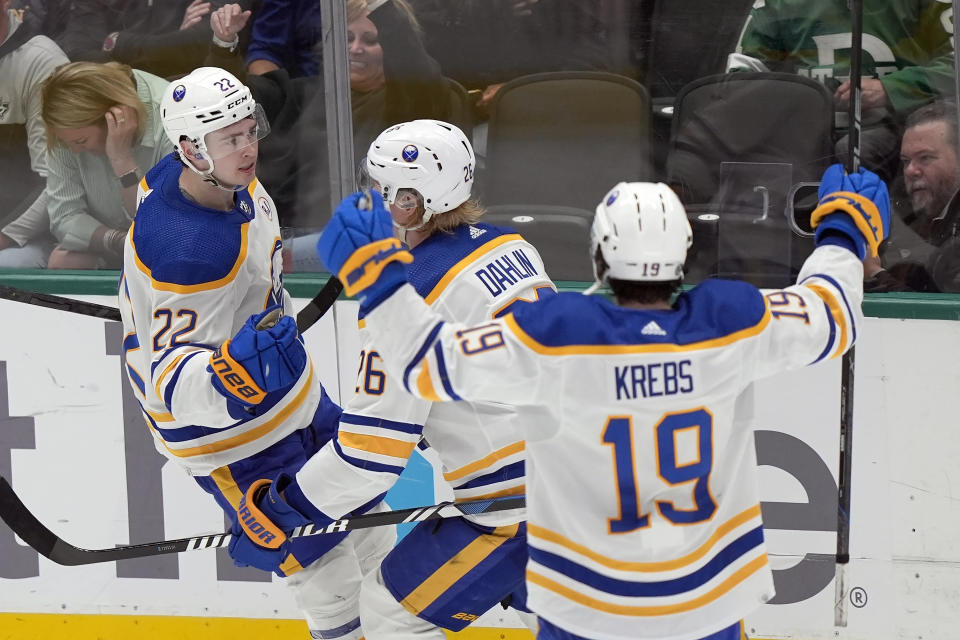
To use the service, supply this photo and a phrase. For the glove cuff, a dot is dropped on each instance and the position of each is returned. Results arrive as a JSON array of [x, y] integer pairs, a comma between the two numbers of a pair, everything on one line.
[[364, 266], [862, 211], [254, 522], [234, 380]]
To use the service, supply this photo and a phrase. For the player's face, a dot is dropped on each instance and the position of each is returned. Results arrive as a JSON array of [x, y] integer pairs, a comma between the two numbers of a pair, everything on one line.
[[930, 167], [407, 208], [90, 139], [234, 151], [366, 55]]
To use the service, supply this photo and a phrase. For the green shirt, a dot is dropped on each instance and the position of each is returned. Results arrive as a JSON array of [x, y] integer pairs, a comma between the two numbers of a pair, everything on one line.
[[907, 44]]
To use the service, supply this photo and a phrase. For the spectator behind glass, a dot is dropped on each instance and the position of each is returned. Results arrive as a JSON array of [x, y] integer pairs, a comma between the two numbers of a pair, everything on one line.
[[913, 256], [164, 37], [26, 59], [907, 62], [48, 16], [287, 34], [482, 44], [392, 80], [103, 133]]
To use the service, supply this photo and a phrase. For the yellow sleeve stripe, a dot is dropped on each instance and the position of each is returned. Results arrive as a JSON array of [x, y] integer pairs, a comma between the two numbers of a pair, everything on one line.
[[290, 566], [252, 434], [753, 513], [662, 610], [472, 257], [836, 310], [160, 417], [863, 211], [159, 285], [615, 349], [483, 463], [425, 387], [377, 444], [170, 367]]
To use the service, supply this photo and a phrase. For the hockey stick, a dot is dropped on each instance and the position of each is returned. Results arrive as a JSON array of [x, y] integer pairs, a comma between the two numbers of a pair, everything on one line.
[[45, 542], [848, 362], [60, 303]]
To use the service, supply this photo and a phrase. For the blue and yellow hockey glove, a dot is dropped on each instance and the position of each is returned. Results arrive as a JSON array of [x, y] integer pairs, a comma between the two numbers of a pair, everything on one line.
[[856, 205], [358, 246], [262, 357], [260, 530], [264, 517]]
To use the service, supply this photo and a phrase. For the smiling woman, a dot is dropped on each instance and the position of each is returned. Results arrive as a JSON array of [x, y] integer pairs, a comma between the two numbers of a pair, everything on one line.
[[103, 133]]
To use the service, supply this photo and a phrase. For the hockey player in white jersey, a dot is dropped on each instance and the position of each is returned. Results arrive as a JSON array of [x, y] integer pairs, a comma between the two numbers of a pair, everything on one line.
[[643, 513], [227, 394], [444, 573]]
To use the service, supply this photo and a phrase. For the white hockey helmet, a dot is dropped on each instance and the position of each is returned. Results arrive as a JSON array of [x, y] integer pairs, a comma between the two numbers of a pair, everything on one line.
[[642, 232], [203, 101], [431, 157]]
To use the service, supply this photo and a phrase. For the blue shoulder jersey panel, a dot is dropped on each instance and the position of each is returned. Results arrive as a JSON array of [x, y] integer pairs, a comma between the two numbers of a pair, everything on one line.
[[714, 309], [182, 243], [434, 257]]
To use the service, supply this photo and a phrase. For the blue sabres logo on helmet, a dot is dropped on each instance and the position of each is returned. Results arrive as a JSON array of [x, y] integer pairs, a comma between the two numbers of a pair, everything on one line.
[[179, 92], [612, 198], [410, 153]]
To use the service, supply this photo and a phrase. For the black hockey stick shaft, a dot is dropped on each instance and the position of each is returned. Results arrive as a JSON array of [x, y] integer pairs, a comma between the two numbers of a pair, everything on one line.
[[849, 358], [48, 544], [59, 303]]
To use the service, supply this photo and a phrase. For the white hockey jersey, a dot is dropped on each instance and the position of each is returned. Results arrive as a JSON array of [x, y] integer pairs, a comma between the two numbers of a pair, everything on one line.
[[643, 513], [191, 278], [474, 273]]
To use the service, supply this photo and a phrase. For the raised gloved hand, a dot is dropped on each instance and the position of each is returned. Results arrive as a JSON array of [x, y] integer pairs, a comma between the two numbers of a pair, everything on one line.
[[856, 205], [259, 533], [358, 246], [257, 361]]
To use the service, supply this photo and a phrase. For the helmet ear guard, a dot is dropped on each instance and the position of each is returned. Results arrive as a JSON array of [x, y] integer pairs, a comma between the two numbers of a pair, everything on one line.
[[640, 233]]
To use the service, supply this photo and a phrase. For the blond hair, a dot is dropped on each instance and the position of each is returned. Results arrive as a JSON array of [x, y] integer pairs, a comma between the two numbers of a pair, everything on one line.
[[78, 94], [357, 9], [469, 212]]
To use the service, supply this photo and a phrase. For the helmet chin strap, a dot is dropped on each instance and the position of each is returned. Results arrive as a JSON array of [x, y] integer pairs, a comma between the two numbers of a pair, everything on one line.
[[208, 177]]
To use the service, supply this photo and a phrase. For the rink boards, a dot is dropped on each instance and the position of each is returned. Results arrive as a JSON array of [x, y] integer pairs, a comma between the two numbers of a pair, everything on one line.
[[75, 448]]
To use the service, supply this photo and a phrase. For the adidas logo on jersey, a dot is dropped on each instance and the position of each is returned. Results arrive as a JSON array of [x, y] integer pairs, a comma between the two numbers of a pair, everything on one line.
[[653, 329], [476, 233]]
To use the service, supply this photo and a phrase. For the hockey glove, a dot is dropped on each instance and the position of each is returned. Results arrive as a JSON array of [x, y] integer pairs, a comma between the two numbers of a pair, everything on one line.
[[358, 246], [257, 361], [263, 518], [855, 205]]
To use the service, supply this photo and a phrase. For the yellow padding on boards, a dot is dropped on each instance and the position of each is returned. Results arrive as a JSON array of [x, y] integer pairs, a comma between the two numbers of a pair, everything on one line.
[[38, 626]]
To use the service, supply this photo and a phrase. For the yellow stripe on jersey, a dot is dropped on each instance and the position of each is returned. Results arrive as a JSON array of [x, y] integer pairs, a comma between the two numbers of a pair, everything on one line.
[[252, 187], [656, 610], [203, 286], [425, 385], [472, 257], [836, 310], [143, 184], [752, 513], [253, 434], [456, 567], [612, 349], [170, 367], [160, 417], [290, 566], [484, 462], [377, 444]]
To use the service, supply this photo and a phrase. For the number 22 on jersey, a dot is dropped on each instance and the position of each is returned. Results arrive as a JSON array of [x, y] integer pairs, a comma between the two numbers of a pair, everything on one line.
[[669, 431]]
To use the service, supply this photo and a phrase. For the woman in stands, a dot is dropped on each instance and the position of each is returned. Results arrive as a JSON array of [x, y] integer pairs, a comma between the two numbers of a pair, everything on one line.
[[103, 133]]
